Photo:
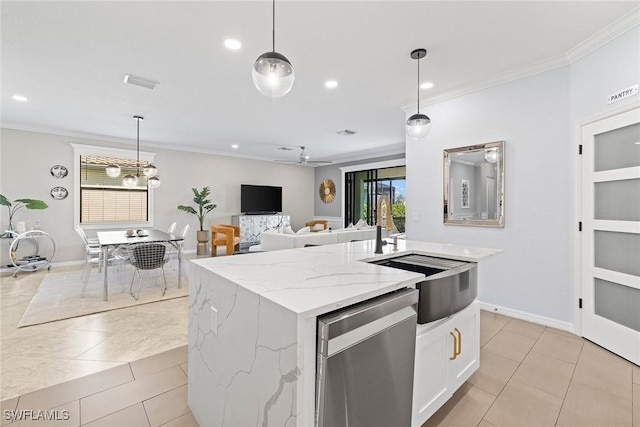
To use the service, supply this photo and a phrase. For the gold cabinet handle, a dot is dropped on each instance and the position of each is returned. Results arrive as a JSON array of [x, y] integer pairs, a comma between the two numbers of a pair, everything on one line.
[[459, 340], [455, 346]]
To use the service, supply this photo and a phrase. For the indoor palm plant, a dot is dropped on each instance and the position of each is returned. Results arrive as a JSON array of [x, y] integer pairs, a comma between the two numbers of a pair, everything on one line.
[[17, 205], [204, 206]]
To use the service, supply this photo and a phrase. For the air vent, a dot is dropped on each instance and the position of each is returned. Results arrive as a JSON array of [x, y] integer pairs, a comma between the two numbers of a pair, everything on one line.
[[346, 132], [139, 81]]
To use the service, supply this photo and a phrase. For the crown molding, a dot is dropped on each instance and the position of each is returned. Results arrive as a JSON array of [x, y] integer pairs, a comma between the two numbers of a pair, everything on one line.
[[604, 36], [597, 40]]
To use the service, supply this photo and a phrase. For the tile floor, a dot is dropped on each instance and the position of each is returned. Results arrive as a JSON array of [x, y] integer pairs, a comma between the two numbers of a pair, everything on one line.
[[530, 375]]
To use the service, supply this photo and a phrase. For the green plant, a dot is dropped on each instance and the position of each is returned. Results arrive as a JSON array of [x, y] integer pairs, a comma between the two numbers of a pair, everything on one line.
[[19, 204], [204, 206]]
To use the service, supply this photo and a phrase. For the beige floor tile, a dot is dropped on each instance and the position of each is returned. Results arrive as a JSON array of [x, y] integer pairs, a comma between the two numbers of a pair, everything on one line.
[[636, 374], [53, 396], [133, 416], [7, 405], [604, 375], [67, 415], [21, 375], [64, 344], [490, 325], [559, 346], [494, 372], [485, 423], [185, 368], [184, 421], [167, 406], [587, 407], [522, 405], [466, 407], [159, 362], [603, 355], [510, 345], [120, 397], [522, 327], [636, 405], [561, 332], [546, 373]]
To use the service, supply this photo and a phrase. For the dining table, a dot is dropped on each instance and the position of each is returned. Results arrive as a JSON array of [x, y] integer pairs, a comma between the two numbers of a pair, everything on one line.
[[109, 240]]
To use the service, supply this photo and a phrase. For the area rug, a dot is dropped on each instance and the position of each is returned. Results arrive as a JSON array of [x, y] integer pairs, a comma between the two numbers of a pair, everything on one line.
[[60, 294]]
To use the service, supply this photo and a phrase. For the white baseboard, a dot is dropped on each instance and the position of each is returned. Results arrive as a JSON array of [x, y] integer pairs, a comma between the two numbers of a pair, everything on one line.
[[529, 317]]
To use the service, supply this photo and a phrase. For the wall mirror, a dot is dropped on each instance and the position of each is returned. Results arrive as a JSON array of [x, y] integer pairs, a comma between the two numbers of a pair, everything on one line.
[[474, 185]]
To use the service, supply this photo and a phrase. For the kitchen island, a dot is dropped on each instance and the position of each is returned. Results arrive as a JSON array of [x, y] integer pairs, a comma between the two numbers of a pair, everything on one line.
[[252, 324]]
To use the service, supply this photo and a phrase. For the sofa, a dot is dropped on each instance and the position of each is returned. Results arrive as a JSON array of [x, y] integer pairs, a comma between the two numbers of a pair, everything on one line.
[[273, 240]]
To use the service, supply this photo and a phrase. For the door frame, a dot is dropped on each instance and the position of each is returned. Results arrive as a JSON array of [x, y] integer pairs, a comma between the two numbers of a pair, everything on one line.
[[623, 107]]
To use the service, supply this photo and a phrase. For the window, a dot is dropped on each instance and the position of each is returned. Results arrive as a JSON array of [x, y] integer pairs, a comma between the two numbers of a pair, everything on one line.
[[105, 199], [101, 201]]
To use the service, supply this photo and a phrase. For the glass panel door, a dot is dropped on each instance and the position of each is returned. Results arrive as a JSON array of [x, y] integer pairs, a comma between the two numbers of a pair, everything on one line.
[[611, 233]]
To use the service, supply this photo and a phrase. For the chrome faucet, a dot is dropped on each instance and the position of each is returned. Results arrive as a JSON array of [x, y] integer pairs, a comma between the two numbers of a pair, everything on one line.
[[387, 202]]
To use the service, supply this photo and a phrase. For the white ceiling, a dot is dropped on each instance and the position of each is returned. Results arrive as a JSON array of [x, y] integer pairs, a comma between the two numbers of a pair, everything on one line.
[[69, 59]]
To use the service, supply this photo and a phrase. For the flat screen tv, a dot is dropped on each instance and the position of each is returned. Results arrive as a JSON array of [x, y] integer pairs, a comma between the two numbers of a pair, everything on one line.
[[260, 199]]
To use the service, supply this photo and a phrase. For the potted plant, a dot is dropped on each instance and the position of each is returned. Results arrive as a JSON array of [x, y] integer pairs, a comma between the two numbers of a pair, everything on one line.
[[17, 205], [204, 207]]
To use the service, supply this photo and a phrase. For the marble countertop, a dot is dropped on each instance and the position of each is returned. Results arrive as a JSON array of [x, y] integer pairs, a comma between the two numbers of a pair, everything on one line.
[[315, 280]]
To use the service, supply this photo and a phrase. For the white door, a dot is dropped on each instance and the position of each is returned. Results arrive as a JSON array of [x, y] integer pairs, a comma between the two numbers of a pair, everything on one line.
[[611, 233]]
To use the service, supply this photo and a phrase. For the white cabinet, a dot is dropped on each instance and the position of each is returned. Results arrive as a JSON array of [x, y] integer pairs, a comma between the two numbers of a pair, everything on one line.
[[447, 354], [251, 226]]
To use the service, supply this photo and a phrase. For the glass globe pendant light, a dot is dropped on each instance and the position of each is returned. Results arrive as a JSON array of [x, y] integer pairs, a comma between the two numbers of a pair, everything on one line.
[[150, 170], [272, 72], [418, 125], [112, 170]]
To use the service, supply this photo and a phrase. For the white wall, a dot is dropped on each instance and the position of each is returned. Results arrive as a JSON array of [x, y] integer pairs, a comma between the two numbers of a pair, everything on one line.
[[26, 157], [537, 117], [531, 115]]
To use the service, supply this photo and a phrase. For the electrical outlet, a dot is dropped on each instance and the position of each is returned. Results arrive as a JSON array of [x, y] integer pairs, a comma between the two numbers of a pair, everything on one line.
[[213, 321], [415, 217]]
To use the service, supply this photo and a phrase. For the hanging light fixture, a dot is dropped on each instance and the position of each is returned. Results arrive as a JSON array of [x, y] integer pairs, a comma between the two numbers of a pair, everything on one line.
[[272, 72], [150, 171], [113, 170], [418, 125]]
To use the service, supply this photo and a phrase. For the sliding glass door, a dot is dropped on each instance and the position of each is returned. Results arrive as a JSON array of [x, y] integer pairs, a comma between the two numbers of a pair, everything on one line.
[[363, 189]]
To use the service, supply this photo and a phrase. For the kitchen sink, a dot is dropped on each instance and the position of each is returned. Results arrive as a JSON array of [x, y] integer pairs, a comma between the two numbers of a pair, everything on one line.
[[449, 285]]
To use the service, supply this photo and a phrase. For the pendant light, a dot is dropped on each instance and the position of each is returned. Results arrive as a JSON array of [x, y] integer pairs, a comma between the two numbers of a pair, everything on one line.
[[418, 125], [150, 171], [113, 170], [272, 72]]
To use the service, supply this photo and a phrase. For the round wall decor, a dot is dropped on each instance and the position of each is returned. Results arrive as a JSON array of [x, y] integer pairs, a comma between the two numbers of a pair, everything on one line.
[[59, 193], [59, 171], [327, 190]]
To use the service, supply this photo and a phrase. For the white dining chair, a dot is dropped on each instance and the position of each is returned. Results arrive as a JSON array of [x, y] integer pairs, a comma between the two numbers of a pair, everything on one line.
[[172, 254], [172, 228]]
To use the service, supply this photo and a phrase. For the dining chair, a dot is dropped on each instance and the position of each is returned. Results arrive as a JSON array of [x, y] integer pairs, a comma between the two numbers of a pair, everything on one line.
[[172, 253], [147, 256], [172, 228], [94, 256]]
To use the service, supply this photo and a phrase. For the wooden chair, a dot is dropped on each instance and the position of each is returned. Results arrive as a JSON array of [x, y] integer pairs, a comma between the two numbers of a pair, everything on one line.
[[324, 222], [225, 235]]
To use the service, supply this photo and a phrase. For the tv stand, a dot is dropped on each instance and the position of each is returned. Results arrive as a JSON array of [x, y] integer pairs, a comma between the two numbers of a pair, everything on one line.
[[251, 226]]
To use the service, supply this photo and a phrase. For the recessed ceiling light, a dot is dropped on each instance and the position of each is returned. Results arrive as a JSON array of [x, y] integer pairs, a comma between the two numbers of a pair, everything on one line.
[[426, 85], [232, 44], [235, 146], [331, 84], [20, 98], [139, 81]]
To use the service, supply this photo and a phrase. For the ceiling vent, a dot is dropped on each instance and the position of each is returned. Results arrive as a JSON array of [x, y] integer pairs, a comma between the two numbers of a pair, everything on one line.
[[139, 81], [346, 132]]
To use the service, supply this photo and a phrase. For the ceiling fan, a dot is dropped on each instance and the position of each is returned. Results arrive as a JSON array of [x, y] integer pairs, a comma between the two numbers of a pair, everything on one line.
[[304, 158]]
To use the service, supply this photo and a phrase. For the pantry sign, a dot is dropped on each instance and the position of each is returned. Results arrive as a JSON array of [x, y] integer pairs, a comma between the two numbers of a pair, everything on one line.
[[620, 95]]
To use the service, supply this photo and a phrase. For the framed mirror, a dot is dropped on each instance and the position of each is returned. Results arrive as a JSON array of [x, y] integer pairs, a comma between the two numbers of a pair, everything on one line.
[[474, 185]]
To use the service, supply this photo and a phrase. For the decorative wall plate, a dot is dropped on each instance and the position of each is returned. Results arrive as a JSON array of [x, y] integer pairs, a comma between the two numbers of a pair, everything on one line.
[[327, 190], [59, 171], [59, 193]]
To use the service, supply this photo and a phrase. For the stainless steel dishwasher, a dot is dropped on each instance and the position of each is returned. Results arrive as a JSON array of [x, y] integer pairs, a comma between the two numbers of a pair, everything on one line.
[[365, 362]]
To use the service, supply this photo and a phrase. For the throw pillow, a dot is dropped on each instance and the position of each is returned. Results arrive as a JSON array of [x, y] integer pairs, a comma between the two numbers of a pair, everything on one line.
[[318, 227], [288, 230], [304, 230]]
